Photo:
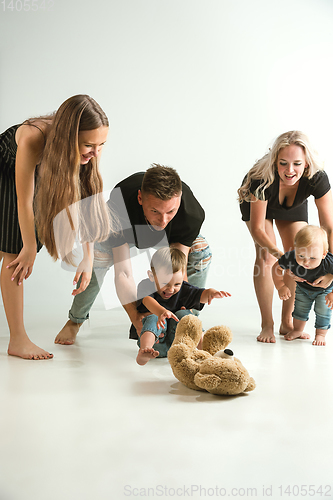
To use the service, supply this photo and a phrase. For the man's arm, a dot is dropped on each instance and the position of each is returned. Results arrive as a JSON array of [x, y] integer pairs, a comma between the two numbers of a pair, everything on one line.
[[125, 284]]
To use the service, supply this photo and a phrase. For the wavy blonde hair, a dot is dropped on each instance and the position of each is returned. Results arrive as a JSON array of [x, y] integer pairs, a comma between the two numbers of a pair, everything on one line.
[[63, 182], [266, 167]]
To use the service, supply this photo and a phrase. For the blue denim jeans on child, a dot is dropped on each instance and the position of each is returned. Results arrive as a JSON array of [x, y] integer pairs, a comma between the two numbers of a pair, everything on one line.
[[198, 263], [162, 344], [304, 298]]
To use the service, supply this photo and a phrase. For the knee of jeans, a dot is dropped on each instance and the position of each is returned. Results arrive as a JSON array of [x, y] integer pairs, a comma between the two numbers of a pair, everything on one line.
[[102, 259], [200, 254], [182, 312]]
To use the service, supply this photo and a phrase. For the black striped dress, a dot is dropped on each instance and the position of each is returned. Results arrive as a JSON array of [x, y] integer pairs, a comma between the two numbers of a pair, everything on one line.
[[10, 234]]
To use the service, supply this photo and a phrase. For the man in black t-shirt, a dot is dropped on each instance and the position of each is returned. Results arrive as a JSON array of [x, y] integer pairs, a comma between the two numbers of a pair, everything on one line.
[[154, 209]]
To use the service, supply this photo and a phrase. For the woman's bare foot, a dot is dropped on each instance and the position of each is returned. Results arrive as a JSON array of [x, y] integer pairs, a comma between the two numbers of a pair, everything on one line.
[[286, 328], [296, 334], [319, 340], [267, 335], [68, 334], [24, 348], [145, 355]]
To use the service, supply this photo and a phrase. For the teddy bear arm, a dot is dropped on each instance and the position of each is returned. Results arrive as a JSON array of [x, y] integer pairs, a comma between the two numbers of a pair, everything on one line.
[[251, 385], [208, 382]]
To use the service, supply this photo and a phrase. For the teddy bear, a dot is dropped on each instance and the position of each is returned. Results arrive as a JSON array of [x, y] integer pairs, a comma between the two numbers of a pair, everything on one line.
[[214, 368]]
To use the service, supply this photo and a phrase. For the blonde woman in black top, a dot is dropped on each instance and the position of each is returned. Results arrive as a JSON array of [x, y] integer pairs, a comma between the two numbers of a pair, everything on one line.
[[276, 189]]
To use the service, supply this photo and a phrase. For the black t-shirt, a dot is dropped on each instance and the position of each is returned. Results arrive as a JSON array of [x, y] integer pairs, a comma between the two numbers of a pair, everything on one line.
[[317, 186], [288, 261], [188, 297], [183, 228]]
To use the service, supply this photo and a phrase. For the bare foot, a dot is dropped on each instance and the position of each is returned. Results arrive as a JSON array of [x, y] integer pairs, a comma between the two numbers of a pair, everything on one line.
[[24, 348], [296, 334], [286, 328], [68, 334], [319, 340], [145, 355], [267, 335]]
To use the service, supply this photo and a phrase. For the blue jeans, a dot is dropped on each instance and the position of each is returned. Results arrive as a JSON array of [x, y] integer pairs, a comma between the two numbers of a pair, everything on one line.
[[304, 299], [199, 260], [163, 344]]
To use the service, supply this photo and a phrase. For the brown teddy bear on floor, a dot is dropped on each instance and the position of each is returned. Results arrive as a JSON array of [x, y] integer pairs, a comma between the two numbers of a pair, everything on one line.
[[214, 368]]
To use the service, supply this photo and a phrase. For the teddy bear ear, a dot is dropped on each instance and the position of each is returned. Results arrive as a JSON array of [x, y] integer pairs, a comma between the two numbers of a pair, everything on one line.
[[216, 339]]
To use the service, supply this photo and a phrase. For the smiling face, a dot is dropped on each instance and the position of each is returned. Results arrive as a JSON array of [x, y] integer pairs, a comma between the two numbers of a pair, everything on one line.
[[91, 143], [167, 284], [310, 257], [291, 163], [158, 212]]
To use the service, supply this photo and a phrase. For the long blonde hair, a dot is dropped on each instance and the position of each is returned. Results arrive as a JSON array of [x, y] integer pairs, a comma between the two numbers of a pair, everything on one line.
[[266, 167], [63, 181]]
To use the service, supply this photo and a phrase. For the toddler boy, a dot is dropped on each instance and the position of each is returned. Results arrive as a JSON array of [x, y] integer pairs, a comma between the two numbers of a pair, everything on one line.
[[168, 297], [309, 260]]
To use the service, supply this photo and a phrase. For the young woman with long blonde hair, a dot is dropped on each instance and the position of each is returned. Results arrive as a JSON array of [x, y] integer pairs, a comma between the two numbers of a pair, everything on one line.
[[47, 165], [276, 189]]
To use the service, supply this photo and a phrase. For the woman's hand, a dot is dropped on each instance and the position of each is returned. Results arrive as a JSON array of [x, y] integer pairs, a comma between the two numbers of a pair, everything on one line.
[[329, 300], [23, 264], [84, 271], [294, 277], [323, 281]]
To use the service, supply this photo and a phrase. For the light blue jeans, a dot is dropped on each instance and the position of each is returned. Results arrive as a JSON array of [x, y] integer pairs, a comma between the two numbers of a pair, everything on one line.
[[199, 260], [162, 344], [304, 298]]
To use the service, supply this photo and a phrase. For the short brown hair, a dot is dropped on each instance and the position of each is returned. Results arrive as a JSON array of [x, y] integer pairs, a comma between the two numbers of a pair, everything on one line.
[[162, 182], [168, 257], [309, 235]]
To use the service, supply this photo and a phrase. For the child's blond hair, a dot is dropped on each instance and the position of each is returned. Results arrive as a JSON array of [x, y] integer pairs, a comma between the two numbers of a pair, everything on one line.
[[170, 258], [309, 235]]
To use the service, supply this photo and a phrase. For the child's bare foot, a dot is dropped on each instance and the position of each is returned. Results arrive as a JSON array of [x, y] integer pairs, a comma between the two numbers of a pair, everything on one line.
[[24, 348], [267, 335], [319, 340], [296, 334], [145, 355], [68, 334]]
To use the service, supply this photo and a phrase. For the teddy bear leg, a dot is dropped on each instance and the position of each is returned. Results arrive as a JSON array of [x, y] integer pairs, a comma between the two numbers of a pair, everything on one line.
[[180, 314]]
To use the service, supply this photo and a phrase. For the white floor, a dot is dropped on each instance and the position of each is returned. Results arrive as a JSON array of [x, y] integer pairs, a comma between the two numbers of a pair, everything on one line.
[[91, 424]]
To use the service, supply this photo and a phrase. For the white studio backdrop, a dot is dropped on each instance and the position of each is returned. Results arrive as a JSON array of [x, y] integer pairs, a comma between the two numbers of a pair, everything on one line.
[[202, 86]]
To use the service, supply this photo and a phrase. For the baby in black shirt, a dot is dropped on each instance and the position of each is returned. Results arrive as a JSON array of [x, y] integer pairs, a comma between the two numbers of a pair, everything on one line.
[[168, 297], [309, 261]]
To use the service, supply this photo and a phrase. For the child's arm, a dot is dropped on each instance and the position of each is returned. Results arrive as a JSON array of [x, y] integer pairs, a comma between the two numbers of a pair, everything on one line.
[[154, 307], [329, 300], [277, 274], [210, 293]]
